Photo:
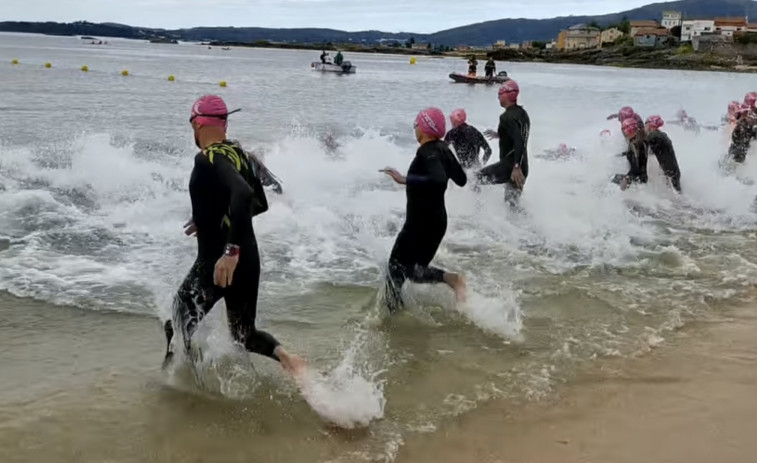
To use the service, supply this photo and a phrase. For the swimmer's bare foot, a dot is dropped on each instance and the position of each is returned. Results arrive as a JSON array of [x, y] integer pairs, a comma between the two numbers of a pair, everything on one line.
[[293, 364], [457, 283]]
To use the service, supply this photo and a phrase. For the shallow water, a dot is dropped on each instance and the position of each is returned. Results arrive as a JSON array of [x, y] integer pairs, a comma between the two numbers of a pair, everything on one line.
[[93, 193]]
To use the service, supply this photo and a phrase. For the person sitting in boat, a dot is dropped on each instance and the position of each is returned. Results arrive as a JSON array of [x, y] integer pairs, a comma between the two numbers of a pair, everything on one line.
[[490, 68], [338, 59], [472, 64], [324, 55]]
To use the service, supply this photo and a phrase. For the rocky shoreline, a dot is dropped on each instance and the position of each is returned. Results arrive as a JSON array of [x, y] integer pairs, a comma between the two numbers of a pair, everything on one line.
[[730, 59], [726, 59]]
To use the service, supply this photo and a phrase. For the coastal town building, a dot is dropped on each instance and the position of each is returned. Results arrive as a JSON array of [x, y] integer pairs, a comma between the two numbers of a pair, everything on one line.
[[527, 45], [499, 45], [728, 26], [643, 24], [708, 42], [671, 19], [610, 35], [579, 37], [652, 37], [696, 27], [552, 45]]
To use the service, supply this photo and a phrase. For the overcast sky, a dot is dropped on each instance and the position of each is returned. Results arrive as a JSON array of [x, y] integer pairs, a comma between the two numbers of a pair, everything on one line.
[[387, 15]]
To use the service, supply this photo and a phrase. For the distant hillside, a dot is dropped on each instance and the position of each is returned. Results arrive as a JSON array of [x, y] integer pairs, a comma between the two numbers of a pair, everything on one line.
[[518, 30], [486, 33]]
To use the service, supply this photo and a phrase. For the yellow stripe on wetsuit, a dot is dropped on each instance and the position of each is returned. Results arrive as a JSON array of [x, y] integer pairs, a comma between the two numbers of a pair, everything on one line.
[[232, 156]]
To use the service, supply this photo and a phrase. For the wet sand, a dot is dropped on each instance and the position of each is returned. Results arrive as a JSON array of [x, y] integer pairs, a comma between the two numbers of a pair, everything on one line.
[[691, 401]]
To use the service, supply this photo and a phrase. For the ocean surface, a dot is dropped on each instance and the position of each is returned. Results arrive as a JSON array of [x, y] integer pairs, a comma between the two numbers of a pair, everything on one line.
[[94, 168]]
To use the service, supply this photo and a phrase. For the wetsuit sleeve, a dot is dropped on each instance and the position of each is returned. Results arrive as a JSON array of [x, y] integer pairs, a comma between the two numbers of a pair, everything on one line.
[[240, 199], [485, 145], [510, 127], [454, 170]]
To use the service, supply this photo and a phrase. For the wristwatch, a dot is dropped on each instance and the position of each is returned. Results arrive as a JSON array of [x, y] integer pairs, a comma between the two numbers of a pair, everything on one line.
[[231, 250]]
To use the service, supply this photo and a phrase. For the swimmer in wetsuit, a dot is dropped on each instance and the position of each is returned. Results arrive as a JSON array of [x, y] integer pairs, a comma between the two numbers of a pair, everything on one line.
[[729, 120], [512, 132], [636, 155], [426, 217], [226, 193], [742, 135], [661, 147], [467, 141]]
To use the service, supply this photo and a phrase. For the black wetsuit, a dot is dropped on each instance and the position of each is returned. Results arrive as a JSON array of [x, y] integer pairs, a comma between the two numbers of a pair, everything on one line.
[[741, 139], [660, 146], [468, 142], [224, 200], [637, 160], [513, 131], [425, 220], [490, 68]]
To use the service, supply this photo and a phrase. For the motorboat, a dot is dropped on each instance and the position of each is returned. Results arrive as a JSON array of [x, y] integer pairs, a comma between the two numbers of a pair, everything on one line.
[[500, 78], [345, 68]]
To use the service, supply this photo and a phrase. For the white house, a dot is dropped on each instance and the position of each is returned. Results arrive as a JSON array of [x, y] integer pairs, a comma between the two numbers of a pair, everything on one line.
[[695, 28], [671, 19]]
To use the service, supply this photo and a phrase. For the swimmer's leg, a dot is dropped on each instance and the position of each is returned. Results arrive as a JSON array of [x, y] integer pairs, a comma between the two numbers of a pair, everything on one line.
[[196, 296]]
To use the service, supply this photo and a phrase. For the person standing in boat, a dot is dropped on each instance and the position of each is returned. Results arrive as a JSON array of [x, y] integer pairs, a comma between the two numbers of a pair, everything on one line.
[[490, 68], [324, 55], [425, 224], [338, 59], [472, 66]]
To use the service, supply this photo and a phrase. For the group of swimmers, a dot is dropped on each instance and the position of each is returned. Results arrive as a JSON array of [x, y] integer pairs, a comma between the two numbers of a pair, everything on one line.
[[226, 189]]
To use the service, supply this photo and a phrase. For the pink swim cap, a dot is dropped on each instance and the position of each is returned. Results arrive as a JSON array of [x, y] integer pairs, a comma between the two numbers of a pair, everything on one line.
[[210, 111], [630, 127], [655, 122], [458, 117], [431, 122], [626, 112], [750, 99], [744, 108], [511, 89], [733, 106]]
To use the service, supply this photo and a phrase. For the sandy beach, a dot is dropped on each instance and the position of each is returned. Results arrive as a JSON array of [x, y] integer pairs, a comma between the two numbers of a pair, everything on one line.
[[690, 401]]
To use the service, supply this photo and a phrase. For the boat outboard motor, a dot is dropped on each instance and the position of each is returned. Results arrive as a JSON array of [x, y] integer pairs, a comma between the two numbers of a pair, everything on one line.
[[346, 66]]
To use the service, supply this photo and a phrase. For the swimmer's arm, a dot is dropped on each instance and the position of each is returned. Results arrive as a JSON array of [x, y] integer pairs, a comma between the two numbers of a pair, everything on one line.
[[515, 134], [485, 145], [455, 170], [240, 198]]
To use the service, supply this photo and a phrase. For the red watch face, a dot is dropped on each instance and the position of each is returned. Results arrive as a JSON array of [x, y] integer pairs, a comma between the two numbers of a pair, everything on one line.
[[231, 250]]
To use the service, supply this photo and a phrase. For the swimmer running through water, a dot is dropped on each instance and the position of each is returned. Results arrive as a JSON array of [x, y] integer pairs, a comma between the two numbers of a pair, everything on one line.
[[636, 155], [512, 132], [426, 217], [226, 193], [467, 141], [661, 147], [742, 134]]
